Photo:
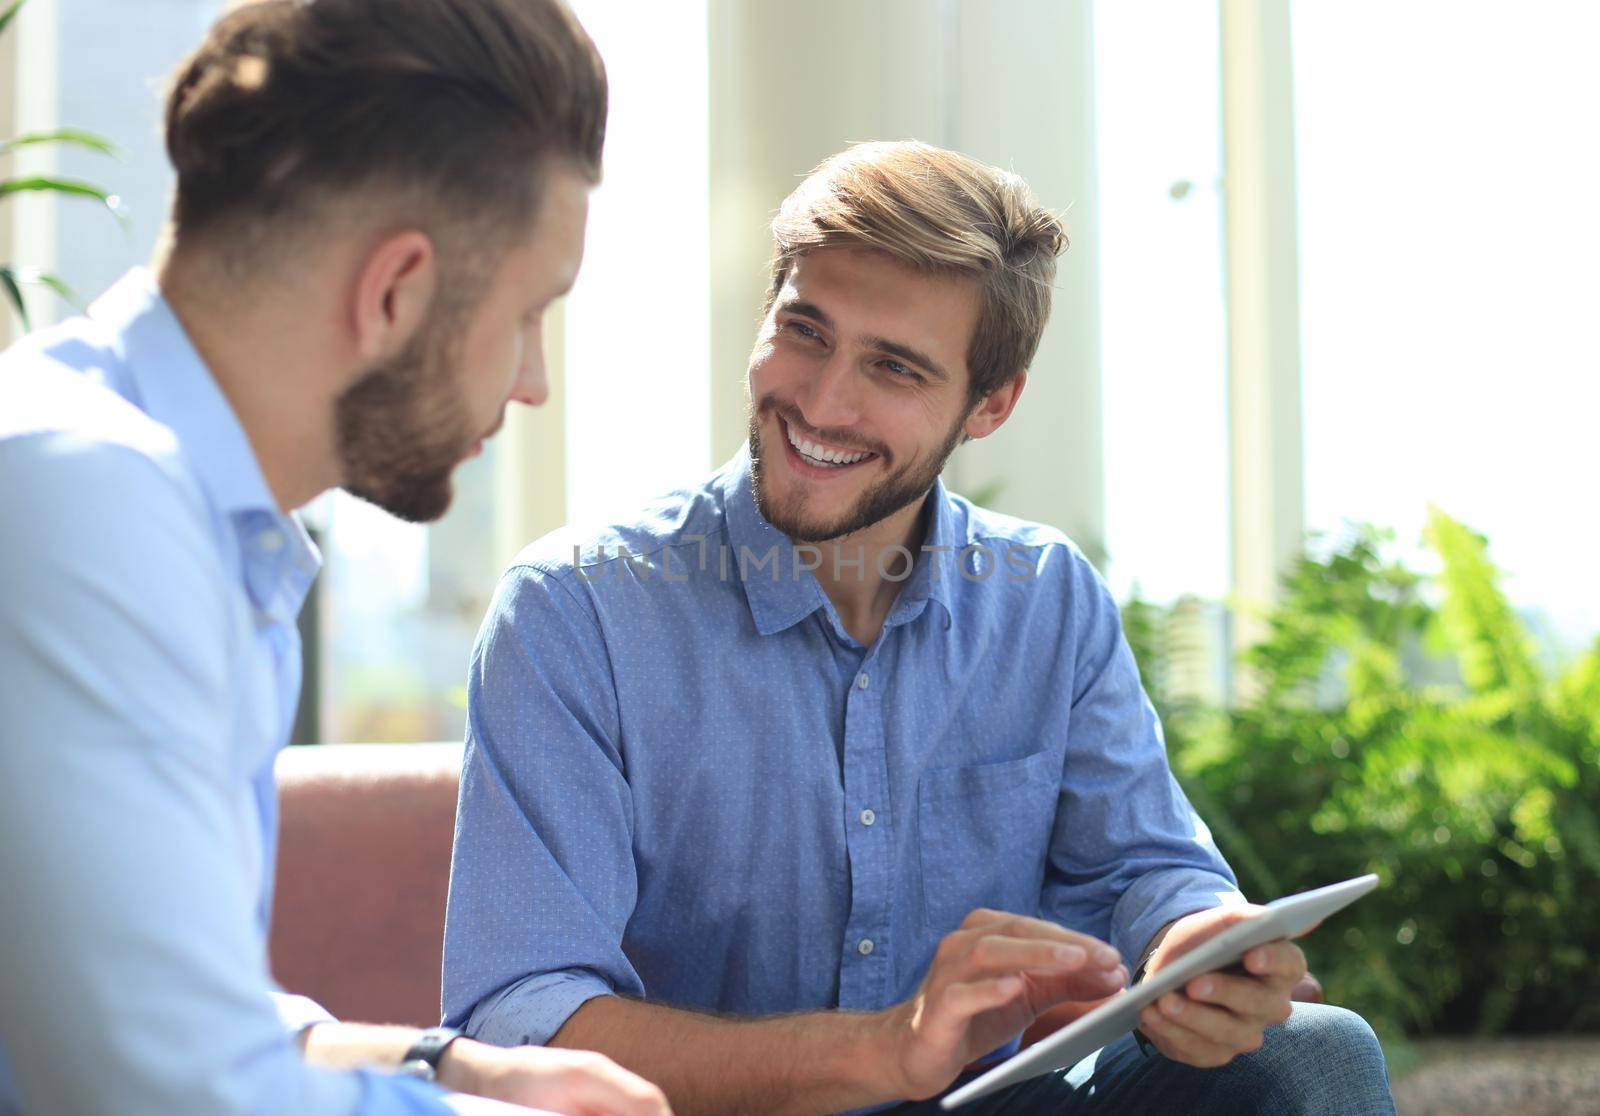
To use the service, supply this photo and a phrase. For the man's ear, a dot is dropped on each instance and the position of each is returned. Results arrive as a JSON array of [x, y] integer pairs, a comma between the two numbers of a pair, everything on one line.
[[993, 409], [394, 286]]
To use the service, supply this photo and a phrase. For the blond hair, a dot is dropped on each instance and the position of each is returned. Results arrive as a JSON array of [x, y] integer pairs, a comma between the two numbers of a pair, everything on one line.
[[941, 212]]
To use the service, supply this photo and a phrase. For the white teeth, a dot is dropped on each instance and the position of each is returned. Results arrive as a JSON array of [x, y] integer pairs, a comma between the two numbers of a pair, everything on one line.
[[820, 455]]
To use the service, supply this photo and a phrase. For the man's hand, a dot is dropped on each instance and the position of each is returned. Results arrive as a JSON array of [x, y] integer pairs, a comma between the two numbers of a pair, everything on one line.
[[571, 1082], [1218, 1016], [988, 981]]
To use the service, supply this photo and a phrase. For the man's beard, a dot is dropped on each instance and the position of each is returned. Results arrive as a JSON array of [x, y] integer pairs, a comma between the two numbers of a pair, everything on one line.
[[402, 428], [902, 487]]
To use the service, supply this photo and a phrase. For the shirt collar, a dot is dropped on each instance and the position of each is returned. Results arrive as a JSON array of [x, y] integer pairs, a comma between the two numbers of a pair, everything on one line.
[[763, 558], [938, 564], [172, 385], [176, 389], [781, 594]]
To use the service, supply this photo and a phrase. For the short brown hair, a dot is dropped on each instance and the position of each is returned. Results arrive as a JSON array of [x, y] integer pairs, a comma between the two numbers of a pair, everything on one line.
[[454, 106], [943, 212]]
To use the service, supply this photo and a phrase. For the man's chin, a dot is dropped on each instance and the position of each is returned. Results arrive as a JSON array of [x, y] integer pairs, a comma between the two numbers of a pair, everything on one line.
[[802, 524], [422, 502]]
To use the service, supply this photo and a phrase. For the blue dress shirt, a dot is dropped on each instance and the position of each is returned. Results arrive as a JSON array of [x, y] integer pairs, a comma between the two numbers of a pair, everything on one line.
[[685, 781], [149, 671]]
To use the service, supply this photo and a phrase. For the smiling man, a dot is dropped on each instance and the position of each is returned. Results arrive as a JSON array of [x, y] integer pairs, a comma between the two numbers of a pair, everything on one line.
[[815, 784]]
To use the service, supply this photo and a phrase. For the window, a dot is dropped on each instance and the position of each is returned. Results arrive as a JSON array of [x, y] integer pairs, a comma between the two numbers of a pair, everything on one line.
[[1163, 329], [1448, 235]]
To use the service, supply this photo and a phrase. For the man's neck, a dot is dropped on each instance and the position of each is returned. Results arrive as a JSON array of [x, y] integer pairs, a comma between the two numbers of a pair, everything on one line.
[[263, 366], [862, 572]]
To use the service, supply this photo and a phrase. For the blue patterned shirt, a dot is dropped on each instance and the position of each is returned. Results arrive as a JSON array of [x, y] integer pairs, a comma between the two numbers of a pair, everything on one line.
[[685, 781]]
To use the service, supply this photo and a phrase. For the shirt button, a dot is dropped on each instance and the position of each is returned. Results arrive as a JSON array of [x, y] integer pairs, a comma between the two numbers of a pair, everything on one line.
[[864, 946], [868, 817], [862, 681], [270, 541]]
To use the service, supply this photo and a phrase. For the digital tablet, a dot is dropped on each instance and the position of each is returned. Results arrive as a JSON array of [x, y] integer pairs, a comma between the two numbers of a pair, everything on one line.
[[1282, 918]]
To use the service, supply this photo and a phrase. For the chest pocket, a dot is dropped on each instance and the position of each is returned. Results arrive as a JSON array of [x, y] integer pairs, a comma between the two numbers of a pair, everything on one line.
[[983, 836]]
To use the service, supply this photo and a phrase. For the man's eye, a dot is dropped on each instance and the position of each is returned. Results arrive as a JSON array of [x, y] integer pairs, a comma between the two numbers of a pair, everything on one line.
[[900, 371], [803, 330]]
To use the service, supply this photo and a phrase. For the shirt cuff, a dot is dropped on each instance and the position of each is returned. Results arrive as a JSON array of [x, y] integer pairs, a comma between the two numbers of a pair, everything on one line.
[[1157, 898], [296, 1013], [534, 1009]]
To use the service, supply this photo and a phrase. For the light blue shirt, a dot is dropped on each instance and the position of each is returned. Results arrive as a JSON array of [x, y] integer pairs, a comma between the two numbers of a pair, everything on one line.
[[685, 781], [149, 671]]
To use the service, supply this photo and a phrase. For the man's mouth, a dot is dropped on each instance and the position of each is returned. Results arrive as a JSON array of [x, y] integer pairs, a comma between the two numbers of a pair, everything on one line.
[[821, 456]]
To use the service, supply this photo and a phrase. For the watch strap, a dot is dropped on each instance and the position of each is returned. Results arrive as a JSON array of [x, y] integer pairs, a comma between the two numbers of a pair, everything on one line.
[[418, 1069], [430, 1046]]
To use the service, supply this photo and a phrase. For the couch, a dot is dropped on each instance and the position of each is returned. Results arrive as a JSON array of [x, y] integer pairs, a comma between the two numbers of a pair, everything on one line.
[[363, 870]]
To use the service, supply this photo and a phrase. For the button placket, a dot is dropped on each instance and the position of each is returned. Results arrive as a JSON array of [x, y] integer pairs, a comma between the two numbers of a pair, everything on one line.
[[867, 970]]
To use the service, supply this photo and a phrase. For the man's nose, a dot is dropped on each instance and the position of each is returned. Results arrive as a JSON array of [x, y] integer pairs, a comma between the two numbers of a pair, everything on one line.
[[532, 386], [829, 398]]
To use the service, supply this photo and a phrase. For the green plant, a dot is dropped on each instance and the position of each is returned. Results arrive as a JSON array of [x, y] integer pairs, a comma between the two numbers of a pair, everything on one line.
[[1402, 724], [12, 276]]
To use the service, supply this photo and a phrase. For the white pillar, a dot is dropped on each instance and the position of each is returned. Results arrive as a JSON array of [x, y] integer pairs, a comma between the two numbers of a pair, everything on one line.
[[1263, 297], [1048, 461], [8, 128], [31, 42]]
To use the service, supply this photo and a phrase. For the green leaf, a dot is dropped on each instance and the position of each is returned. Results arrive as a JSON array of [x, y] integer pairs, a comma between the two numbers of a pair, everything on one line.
[[10, 13], [13, 279], [75, 136], [68, 186], [33, 276], [1495, 650], [14, 294], [45, 184]]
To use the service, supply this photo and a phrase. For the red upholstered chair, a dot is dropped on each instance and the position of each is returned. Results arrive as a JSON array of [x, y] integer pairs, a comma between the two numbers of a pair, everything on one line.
[[363, 870]]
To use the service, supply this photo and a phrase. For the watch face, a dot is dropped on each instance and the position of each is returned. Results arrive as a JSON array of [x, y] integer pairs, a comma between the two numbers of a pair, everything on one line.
[[417, 1068]]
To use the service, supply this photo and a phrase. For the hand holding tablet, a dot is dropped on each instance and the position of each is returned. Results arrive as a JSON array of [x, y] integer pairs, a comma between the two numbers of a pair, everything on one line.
[[1283, 918]]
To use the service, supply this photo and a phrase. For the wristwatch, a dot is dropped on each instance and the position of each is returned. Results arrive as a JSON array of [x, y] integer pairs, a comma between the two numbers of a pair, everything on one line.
[[422, 1059]]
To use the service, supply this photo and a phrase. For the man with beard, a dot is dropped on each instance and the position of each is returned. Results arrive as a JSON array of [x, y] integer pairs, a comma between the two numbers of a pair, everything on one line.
[[375, 203], [815, 784]]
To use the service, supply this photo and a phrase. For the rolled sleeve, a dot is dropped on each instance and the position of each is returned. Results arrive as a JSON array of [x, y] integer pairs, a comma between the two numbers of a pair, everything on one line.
[[1128, 854], [533, 1010], [1157, 898], [543, 880]]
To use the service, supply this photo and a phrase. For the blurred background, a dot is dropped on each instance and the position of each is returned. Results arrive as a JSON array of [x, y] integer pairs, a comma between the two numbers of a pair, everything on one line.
[[1318, 395]]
